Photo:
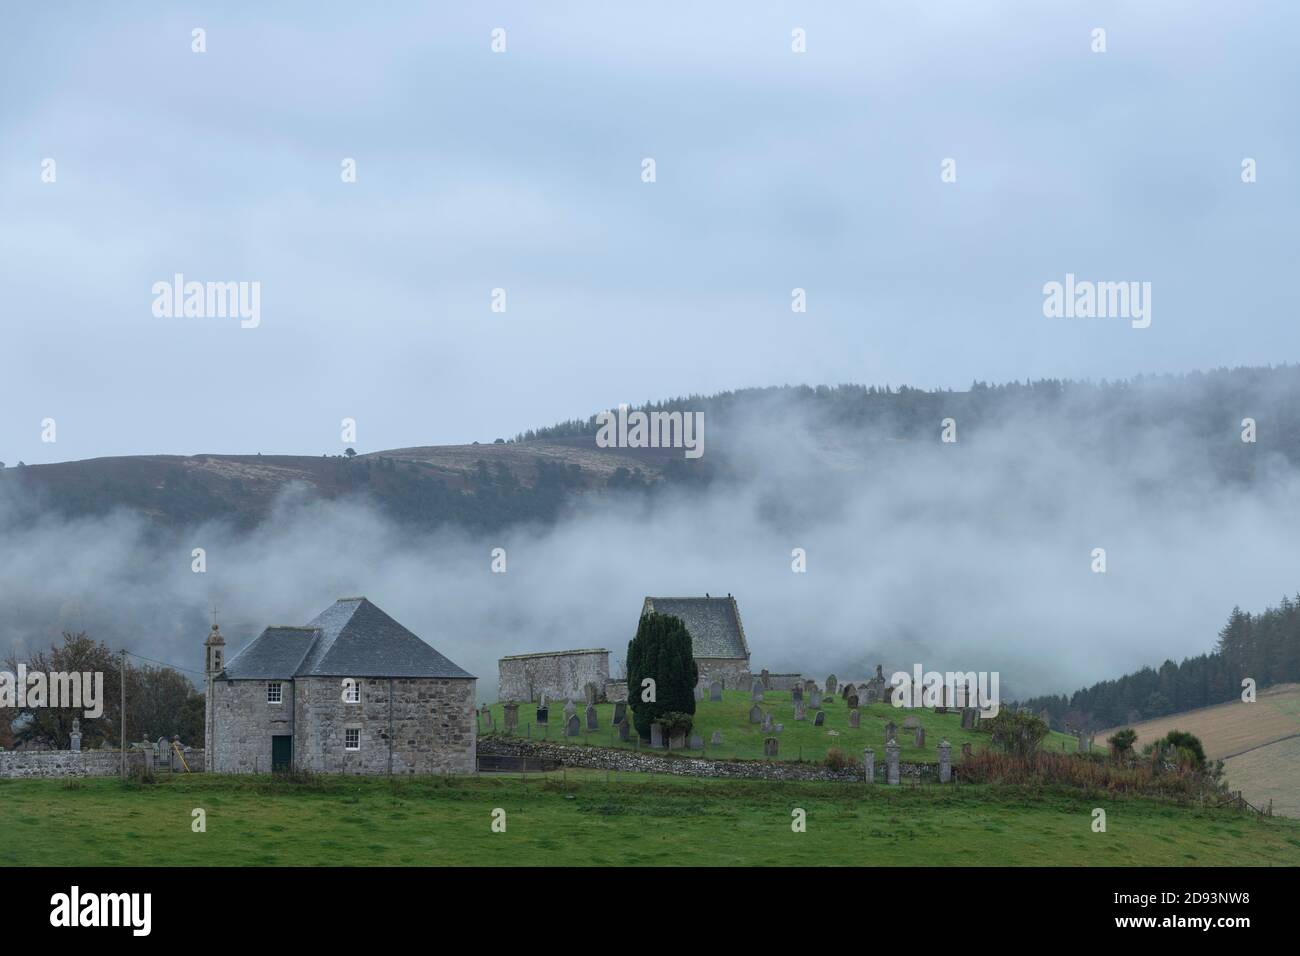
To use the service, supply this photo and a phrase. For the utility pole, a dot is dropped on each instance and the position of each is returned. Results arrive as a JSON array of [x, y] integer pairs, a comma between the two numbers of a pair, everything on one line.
[[121, 715]]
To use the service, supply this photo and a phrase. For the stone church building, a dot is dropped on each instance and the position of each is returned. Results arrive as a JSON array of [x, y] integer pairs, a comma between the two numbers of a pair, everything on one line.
[[717, 636], [352, 691]]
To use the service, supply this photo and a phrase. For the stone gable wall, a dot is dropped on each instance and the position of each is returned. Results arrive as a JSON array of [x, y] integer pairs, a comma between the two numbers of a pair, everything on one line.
[[561, 676]]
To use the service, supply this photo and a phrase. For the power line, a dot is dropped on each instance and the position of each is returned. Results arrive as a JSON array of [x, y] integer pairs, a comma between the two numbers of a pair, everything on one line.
[[176, 667]]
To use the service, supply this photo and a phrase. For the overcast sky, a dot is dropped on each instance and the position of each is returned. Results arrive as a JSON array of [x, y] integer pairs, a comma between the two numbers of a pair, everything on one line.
[[522, 170]]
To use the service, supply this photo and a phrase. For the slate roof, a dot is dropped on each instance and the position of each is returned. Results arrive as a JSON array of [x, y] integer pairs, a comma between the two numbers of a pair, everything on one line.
[[351, 638], [713, 623]]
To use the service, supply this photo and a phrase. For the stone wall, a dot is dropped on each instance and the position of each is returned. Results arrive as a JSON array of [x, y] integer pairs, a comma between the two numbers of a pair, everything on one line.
[[783, 681], [561, 675], [406, 725], [632, 761], [425, 725], [615, 690], [79, 763], [729, 670]]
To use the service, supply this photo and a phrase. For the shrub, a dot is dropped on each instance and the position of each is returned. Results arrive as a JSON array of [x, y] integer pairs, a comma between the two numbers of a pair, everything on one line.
[[1016, 732], [835, 759], [661, 651], [1122, 741]]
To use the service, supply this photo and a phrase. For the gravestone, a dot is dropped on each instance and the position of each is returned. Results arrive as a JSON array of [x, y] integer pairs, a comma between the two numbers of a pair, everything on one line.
[[945, 761], [910, 723], [677, 740], [657, 736], [623, 732], [797, 693], [756, 692], [570, 709], [920, 736], [1083, 744], [767, 723], [869, 765], [620, 711], [815, 699], [770, 747], [873, 695], [697, 742], [487, 717], [854, 700], [891, 762], [891, 731], [798, 710], [542, 713], [766, 678], [831, 684], [847, 691], [571, 726], [820, 719], [777, 728], [855, 719], [716, 739], [943, 700], [148, 759], [965, 718], [512, 717], [76, 734], [965, 751], [699, 692], [593, 722], [715, 691], [592, 693], [755, 714]]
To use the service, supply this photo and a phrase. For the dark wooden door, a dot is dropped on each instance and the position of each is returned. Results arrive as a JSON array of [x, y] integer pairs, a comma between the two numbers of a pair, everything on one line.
[[281, 753]]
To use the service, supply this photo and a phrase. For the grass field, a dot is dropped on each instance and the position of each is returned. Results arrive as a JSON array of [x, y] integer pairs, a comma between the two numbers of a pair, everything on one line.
[[799, 741], [1259, 744], [580, 819]]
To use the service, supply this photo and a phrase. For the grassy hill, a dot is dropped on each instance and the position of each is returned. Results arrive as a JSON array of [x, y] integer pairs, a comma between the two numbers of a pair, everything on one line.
[[1259, 743], [579, 819], [800, 740]]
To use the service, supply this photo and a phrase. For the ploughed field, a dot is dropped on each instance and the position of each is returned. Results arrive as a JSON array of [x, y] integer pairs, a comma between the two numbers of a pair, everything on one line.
[[800, 740], [583, 818]]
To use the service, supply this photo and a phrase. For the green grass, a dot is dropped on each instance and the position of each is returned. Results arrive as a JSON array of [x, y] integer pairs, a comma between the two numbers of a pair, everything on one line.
[[800, 740], [577, 818]]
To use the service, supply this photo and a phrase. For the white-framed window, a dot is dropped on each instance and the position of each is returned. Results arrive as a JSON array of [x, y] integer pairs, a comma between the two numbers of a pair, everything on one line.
[[352, 691], [274, 692], [352, 738]]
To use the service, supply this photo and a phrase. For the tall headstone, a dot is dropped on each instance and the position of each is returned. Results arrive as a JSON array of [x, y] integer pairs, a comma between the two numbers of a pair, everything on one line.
[[76, 734], [716, 739], [855, 718], [770, 747], [756, 691], [831, 684], [512, 717], [485, 715], [657, 736], [697, 742], [620, 711], [820, 719], [797, 693], [966, 722], [715, 690], [755, 714], [891, 762], [542, 716], [847, 691], [624, 731], [920, 737], [891, 731], [766, 678], [767, 723], [570, 709], [869, 764], [945, 761], [593, 722], [815, 699], [591, 692], [809, 686], [571, 726], [853, 700], [798, 710]]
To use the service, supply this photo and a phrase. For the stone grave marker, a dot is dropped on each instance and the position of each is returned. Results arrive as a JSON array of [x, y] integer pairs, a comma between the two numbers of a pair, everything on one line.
[[815, 699], [570, 709], [756, 692], [620, 711], [770, 747], [716, 739], [798, 710], [623, 732], [945, 761], [755, 714], [542, 713], [697, 742], [831, 684], [797, 693], [571, 726], [920, 736], [869, 765], [891, 761], [677, 740], [715, 691], [820, 719], [910, 723], [593, 721], [891, 731], [512, 717], [855, 719], [767, 723], [657, 736]]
